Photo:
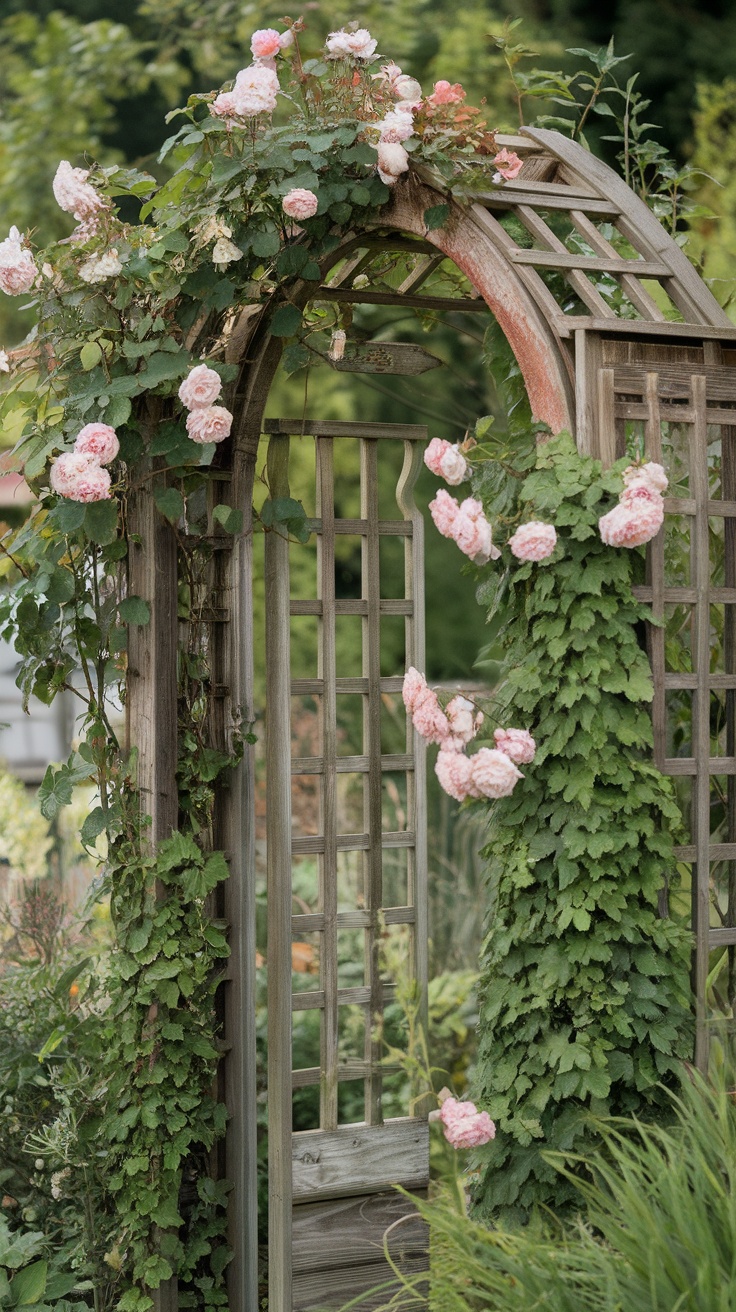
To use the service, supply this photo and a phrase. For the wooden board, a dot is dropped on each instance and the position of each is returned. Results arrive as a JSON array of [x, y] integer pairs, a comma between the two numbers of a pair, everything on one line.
[[344, 1230], [386, 358], [359, 1159]]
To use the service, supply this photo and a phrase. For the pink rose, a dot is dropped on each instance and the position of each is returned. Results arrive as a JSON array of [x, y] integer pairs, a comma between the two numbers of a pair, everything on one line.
[[651, 472], [446, 93], [200, 388], [533, 541], [517, 744], [300, 203], [508, 164], [494, 774], [407, 88], [639, 491], [444, 511], [464, 1126], [414, 687], [74, 194], [464, 722], [455, 773], [255, 91], [225, 105], [350, 45], [80, 477], [211, 423], [392, 161], [446, 461], [18, 270], [98, 440], [632, 526], [265, 43], [396, 125], [428, 718], [472, 532], [434, 453]]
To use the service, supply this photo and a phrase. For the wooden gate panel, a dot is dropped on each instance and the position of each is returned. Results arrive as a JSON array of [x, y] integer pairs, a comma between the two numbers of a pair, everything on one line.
[[349, 1166]]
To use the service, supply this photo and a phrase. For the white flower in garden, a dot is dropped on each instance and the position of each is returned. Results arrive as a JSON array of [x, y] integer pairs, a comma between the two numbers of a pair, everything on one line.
[[80, 477], [98, 268], [392, 161], [350, 45], [98, 440], [651, 473], [200, 388], [464, 721], [255, 91], [225, 252], [407, 88], [4, 362], [225, 106], [396, 125], [210, 423], [74, 194], [300, 203], [387, 74], [337, 344], [17, 266]]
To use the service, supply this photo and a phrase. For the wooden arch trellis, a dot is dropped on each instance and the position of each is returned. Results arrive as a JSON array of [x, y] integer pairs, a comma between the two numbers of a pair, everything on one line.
[[614, 332]]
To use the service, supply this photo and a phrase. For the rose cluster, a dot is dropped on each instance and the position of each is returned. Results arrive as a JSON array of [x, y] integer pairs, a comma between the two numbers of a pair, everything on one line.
[[205, 422], [79, 475], [466, 524], [463, 1125], [17, 266], [490, 772], [639, 514]]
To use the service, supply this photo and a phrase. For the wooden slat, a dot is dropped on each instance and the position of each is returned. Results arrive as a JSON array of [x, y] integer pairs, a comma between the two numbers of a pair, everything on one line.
[[607, 447], [566, 324], [330, 1290], [688, 765], [716, 851], [348, 1069], [313, 687], [278, 823], [344, 1231], [716, 682], [345, 428], [373, 782], [366, 297], [535, 285], [352, 606], [723, 937], [568, 200], [638, 295], [358, 996], [314, 843], [577, 280], [655, 578], [686, 596], [674, 380], [425, 268], [327, 672], [361, 1159], [351, 764], [313, 922], [567, 260]]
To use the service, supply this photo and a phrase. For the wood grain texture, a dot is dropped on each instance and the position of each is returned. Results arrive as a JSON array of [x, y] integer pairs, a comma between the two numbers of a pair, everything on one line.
[[375, 1280], [403, 358], [353, 1230], [360, 1159]]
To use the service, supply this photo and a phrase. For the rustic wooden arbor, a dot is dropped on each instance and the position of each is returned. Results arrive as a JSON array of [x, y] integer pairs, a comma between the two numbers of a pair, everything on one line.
[[615, 335]]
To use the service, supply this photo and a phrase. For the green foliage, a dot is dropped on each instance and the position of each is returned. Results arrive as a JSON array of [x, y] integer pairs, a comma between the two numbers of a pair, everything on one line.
[[584, 994]]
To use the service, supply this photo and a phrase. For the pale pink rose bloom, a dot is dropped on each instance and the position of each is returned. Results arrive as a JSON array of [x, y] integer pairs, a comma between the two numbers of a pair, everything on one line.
[[508, 164], [494, 774], [201, 387], [414, 687], [464, 722], [18, 270], [100, 267], [517, 744], [255, 90], [74, 194], [455, 773], [300, 203], [433, 454], [651, 472], [453, 466], [350, 45], [632, 526], [407, 88], [446, 93], [80, 477], [265, 43], [98, 440], [533, 541], [464, 1126], [225, 105], [396, 125], [637, 491], [286, 39], [472, 532], [444, 510], [210, 423], [429, 719], [392, 160]]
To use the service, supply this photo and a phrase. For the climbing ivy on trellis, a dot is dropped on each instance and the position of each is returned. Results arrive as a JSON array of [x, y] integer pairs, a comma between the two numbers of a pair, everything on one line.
[[585, 988]]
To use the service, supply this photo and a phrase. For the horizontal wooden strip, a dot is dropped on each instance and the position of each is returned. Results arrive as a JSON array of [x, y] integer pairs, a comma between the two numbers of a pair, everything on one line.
[[347, 1070], [365, 297], [315, 687], [376, 1281], [353, 606], [356, 1159], [314, 999], [350, 764], [342, 1232], [314, 922], [589, 263], [687, 765], [522, 188], [686, 596], [686, 506], [567, 324], [315, 843], [673, 380], [674, 413], [684, 682], [569, 200], [716, 852], [387, 528], [722, 937], [346, 428]]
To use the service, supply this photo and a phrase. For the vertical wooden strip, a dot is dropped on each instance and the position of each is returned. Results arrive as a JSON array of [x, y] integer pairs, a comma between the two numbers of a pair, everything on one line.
[[373, 784], [278, 832], [328, 860], [588, 361], [701, 714], [655, 578], [416, 780], [606, 418]]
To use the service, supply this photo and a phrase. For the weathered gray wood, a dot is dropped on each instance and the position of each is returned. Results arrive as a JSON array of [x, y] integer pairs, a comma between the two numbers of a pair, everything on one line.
[[364, 296], [588, 361], [607, 448], [330, 1289], [353, 1230], [360, 1159], [568, 323], [386, 358], [312, 922], [700, 574], [638, 295], [396, 761], [577, 280], [614, 264], [566, 200], [718, 852], [278, 804], [346, 428]]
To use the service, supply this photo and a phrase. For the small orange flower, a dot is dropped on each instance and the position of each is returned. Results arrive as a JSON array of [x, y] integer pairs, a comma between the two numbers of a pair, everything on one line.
[[73, 991]]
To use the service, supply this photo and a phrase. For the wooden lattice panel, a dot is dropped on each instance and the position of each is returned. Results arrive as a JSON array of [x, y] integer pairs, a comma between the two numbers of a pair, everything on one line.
[[680, 402], [355, 1162]]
